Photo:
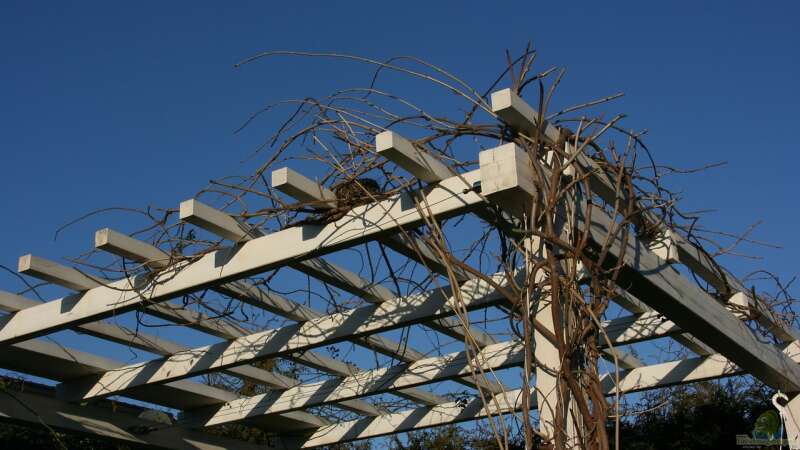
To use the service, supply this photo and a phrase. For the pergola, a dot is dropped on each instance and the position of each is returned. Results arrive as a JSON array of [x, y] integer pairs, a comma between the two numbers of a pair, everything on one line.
[[654, 283]]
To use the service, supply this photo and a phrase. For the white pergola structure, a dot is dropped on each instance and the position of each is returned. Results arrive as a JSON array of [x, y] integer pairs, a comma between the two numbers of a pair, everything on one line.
[[661, 301]]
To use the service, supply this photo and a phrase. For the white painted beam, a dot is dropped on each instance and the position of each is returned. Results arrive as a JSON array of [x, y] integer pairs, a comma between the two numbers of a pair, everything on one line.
[[119, 424], [416, 249], [266, 344], [410, 157], [145, 253], [127, 247], [228, 227], [634, 305], [72, 278], [637, 328], [449, 197], [377, 293], [385, 379], [49, 360], [67, 275], [693, 310], [414, 419], [650, 377], [301, 188], [194, 395], [624, 359], [665, 246], [289, 339], [519, 115], [55, 273], [683, 371], [665, 290], [198, 213]]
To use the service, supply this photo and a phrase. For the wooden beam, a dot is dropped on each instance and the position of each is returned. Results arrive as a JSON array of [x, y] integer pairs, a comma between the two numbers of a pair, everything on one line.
[[514, 111], [266, 344], [665, 246], [306, 190], [410, 157], [301, 188], [634, 305], [683, 371], [216, 221], [129, 248], [289, 339], [693, 310], [45, 359], [414, 248], [36, 406], [208, 218], [448, 198], [664, 289], [145, 253], [413, 419], [651, 377], [385, 379], [57, 272], [194, 395]]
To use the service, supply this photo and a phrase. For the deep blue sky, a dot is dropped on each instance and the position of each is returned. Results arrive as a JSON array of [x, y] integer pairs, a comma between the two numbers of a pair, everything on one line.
[[128, 104]]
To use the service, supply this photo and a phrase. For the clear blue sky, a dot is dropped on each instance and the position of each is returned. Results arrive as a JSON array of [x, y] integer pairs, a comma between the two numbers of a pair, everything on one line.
[[128, 104]]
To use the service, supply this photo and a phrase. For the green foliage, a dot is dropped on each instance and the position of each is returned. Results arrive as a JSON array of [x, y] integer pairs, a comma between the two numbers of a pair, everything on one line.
[[701, 416], [30, 437]]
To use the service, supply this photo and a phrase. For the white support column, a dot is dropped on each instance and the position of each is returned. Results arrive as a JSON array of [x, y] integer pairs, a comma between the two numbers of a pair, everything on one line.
[[507, 179], [791, 417]]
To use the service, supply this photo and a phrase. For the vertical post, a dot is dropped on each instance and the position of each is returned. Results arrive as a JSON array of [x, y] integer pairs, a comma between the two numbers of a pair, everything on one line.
[[507, 179], [558, 417]]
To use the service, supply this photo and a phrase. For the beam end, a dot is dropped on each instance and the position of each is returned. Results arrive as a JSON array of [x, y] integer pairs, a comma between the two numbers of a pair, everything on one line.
[[405, 154], [507, 177], [303, 189]]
